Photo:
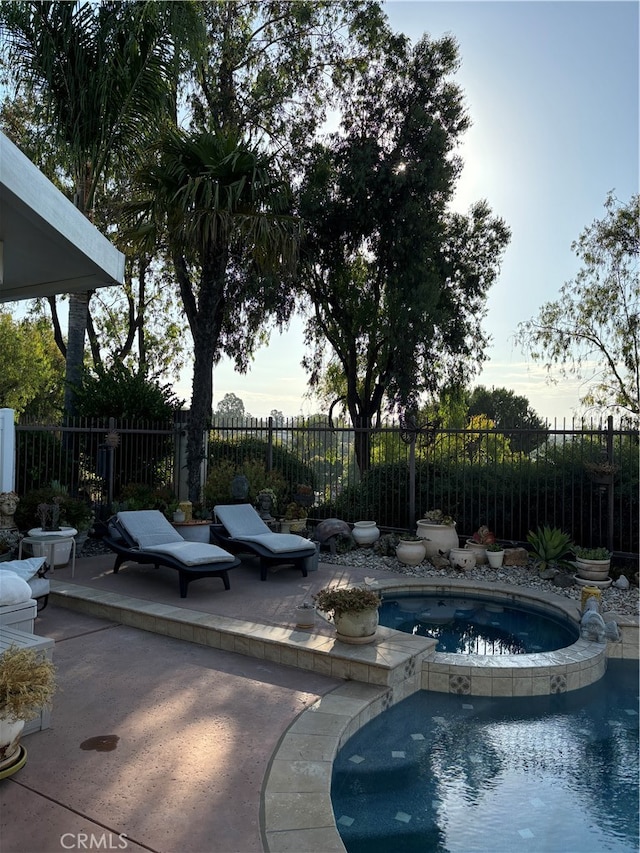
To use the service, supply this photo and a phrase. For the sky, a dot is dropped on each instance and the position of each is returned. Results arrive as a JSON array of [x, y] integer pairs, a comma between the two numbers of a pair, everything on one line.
[[552, 92]]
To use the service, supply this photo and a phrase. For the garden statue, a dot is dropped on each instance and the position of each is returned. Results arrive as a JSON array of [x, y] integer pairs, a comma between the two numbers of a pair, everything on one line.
[[239, 488], [8, 505], [593, 627]]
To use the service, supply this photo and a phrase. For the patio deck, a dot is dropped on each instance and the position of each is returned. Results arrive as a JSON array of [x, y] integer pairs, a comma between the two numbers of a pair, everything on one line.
[[195, 727]]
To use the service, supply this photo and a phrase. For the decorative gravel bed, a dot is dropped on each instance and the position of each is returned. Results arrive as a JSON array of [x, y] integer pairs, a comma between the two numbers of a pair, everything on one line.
[[621, 601]]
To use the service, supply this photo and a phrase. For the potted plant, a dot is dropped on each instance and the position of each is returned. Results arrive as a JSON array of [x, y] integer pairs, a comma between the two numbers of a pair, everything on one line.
[[8, 543], [52, 510], [295, 518], [549, 545], [354, 611], [27, 684], [478, 543], [410, 549], [305, 615], [439, 532], [495, 554], [593, 564]]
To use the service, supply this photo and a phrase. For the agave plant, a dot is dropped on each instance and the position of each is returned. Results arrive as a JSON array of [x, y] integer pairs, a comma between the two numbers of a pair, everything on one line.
[[549, 545]]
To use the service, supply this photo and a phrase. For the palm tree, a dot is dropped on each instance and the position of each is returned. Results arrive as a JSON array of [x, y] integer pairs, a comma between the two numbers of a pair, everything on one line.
[[105, 75], [232, 242]]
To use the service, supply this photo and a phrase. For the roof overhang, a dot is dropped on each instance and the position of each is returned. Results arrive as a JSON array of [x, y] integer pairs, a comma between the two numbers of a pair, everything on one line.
[[46, 245]]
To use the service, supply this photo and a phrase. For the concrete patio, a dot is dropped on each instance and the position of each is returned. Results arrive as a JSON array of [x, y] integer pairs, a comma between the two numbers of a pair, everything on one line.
[[164, 740]]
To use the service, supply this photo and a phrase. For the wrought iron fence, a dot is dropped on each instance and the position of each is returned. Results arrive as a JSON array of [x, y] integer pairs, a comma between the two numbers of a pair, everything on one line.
[[582, 478]]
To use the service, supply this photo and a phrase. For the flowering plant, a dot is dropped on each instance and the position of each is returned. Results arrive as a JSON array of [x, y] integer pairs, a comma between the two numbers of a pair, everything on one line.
[[436, 516], [483, 536]]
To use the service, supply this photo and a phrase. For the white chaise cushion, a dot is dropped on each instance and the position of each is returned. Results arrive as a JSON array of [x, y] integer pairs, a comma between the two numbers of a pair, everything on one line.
[[148, 527], [13, 590], [241, 520], [279, 543], [25, 569], [191, 553]]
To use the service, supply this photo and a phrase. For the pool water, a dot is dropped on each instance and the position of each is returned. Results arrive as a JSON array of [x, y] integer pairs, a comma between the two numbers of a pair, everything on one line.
[[441, 773], [477, 625]]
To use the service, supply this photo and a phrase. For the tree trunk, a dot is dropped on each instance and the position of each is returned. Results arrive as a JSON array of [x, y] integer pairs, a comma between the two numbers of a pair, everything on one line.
[[78, 308]]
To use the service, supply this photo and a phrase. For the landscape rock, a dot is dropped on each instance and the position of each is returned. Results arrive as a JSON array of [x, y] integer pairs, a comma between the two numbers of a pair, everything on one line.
[[516, 557]]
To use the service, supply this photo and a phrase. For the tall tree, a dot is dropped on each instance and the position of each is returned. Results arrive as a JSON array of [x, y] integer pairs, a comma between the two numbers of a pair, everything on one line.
[[232, 241], [593, 330], [511, 413], [32, 368], [105, 74], [397, 282], [263, 84]]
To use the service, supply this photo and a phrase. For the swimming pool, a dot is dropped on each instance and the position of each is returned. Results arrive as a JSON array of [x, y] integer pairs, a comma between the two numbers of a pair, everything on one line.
[[440, 773], [477, 624]]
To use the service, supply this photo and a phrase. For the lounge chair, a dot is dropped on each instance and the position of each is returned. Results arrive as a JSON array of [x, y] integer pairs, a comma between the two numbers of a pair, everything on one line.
[[240, 529], [145, 536]]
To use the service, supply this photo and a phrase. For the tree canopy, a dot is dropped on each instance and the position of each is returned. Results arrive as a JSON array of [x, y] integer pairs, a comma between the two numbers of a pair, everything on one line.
[[397, 282], [592, 331], [32, 376]]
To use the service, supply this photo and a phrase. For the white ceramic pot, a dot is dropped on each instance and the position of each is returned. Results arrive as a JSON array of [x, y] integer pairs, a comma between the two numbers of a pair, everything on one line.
[[410, 553], [462, 558], [479, 550], [365, 533], [439, 538], [305, 616], [593, 570], [10, 733], [359, 627], [495, 558]]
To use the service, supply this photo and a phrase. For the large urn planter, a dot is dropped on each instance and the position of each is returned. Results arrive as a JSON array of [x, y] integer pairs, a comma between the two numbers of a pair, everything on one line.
[[365, 533], [438, 538], [411, 552]]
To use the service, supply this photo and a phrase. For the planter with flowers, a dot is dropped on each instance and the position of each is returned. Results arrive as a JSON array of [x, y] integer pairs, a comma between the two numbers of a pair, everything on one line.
[[439, 532], [354, 611], [295, 518], [478, 543]]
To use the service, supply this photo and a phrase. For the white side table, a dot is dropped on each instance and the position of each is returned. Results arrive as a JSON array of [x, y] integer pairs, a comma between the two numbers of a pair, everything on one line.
[[43, 544]]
